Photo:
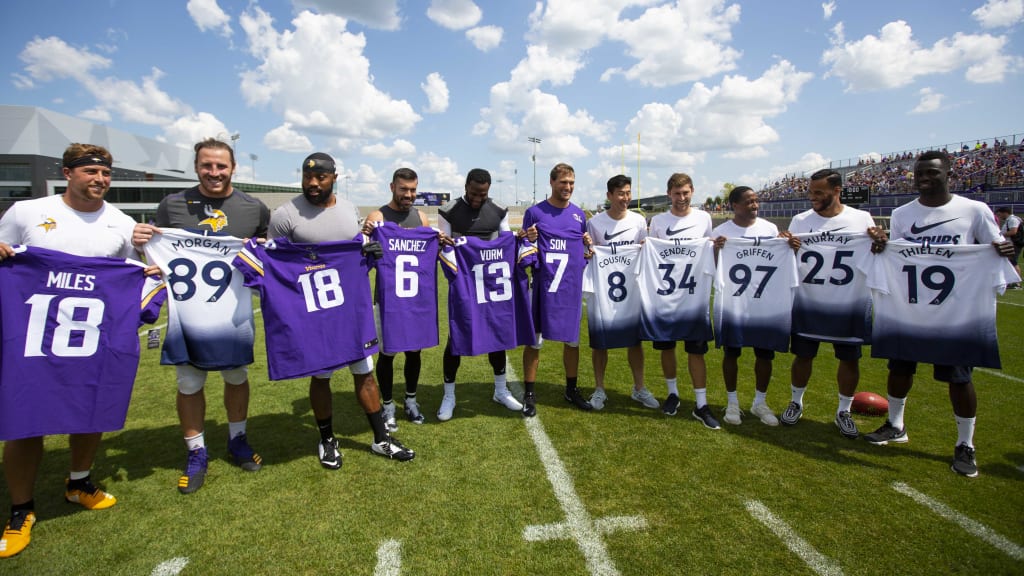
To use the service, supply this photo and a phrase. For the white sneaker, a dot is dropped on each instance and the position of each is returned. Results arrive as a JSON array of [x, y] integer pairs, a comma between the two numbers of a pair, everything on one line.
[[444, 413], [762, 411], [645, 397], [598, 398], [506, 399], [733, 415], [389, 417]]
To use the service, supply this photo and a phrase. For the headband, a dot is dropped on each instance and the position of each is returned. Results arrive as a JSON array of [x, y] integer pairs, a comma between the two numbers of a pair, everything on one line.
[[88, 160]]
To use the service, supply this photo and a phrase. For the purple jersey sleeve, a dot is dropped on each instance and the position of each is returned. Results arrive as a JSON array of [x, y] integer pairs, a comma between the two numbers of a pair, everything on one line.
[[407, 287]]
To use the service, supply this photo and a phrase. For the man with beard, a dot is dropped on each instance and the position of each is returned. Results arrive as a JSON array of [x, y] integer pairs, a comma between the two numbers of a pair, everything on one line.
[[318, 216]]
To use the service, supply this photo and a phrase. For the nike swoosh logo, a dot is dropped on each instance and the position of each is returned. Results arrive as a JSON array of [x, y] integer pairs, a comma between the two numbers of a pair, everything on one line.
[[914, 229], [838, 229], [670, 232], [608, 236]]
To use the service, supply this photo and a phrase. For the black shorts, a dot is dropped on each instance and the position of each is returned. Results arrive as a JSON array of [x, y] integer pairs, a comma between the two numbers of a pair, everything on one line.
[[691, 346], [807, 348], [941, 372], [764, 353]]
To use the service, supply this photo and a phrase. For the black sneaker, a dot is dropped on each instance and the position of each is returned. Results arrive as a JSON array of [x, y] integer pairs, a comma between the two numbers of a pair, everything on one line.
[[671, 405], [887, 433], [330, 456], [393, 449], [529, 405], [791, 415], [704, 415], [963, 461], [847, 427], [573, 396]]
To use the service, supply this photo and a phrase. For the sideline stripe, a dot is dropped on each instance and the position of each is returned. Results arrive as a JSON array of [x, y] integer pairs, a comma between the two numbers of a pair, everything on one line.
[[1009, 303], [389, 558], [974, 527], [797, 545], [171, 567], [1000, 374]]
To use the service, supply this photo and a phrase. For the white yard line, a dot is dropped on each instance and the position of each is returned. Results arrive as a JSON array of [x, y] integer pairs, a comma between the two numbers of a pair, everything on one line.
[[815, 560], [1000, 374], [578, 524], [974, 527], [171, 567], [389, 558]]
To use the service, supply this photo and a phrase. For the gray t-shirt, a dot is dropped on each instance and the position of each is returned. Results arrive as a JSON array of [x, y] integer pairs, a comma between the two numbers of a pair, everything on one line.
[[300, 221], [239, 215]]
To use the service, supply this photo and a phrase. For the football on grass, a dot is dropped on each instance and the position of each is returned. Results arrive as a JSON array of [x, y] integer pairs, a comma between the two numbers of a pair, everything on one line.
[[870, 403]]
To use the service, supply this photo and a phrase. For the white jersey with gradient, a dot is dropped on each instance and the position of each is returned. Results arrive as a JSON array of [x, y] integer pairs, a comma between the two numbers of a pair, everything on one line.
[[613, 296], [209, 310], [937, 303], [676, 277], [607, 231], [668, 226], [755, 283]]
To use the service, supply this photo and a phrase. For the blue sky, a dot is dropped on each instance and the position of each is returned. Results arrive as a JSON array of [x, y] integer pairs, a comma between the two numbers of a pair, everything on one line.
[[739, 92]]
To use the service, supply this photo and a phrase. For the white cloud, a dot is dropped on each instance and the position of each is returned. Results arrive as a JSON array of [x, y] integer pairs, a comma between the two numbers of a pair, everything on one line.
[[207, 15], [286, 139], [398, 148], [96, 115], [439, 174], [828, 9], [191, 128], [345, 104], [436, 90], [930, 101], [894, 58], [51, 58], [999, 13], [485, 38], [454, 14], [380, 14]]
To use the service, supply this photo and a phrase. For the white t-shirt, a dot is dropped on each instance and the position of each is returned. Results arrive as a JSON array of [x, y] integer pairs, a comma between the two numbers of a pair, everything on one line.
[[761, 228], [959, 221], [50, 223], [668, 226], [849, 221], [607, 231]]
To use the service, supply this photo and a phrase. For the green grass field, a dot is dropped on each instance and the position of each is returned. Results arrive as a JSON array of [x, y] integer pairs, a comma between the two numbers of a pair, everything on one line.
[[624, 491]]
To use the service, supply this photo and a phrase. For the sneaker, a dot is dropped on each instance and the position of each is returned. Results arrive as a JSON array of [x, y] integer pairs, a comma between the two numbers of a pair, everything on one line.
[[195, 472], [412, 411], [791, 415], [645, 397], [18, 533], [887, 433], [574, 397], [330, 456], [762, 411], [963, 461], [847, 427], [671, 405], [393, 449], [506, 399], [704, 415], [444, 413], [89, 496], [733, 415], [598, 398], [389, 417], [529, 405], [243, 454]]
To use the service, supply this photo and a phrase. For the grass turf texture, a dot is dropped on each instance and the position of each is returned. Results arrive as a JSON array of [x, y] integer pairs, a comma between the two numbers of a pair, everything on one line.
[[461, 506]]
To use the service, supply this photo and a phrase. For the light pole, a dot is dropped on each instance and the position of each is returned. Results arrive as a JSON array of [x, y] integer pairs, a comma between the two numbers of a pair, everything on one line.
[[347, 178], [516, 170], [254, 158], [534, 158], [234, 138]]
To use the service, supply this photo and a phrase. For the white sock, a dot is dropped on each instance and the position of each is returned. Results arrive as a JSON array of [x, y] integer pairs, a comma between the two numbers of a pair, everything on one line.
[[896, 406], [499, 383], [236, 428], [449, 388], [701, 394], [672, 385], [759, 398], [965, 431], [73, 475], [798, 394], [734, 398], [195, 442], [845, 403]]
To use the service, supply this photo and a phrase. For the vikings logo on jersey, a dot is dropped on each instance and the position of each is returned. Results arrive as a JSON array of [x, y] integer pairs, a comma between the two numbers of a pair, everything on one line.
[[216, 219], [48, 225]]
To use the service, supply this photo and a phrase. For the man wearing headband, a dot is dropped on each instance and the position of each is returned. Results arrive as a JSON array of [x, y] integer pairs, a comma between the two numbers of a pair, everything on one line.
[[212, 206], [78, 222], [318, 216]]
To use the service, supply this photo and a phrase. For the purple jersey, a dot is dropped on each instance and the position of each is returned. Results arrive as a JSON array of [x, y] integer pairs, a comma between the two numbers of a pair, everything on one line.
[[487, 305], [407, 287], [558, 283], [317, 309], [70, 342]]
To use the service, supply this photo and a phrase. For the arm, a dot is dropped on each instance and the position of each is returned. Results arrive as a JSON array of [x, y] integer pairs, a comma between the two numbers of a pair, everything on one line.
[[371, 221]]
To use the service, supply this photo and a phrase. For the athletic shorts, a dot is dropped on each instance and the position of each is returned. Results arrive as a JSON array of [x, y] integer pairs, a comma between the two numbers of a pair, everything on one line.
[[764, 353], [691, 346], [807, 348], [941, 372]]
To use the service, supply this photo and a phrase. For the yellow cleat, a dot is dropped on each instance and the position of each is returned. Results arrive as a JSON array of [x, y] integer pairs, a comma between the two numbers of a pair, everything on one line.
[[91, 498], [17, 533]]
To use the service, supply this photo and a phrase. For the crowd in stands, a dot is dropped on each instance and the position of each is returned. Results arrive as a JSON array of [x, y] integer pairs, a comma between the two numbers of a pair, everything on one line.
[[997, 165]]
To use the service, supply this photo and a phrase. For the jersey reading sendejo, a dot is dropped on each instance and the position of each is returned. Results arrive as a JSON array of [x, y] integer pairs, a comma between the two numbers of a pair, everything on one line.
[[407, 287], [317, 307], [676, 277]]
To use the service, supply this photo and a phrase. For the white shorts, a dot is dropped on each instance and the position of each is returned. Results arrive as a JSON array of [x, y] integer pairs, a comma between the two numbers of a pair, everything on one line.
[[191, 379]]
